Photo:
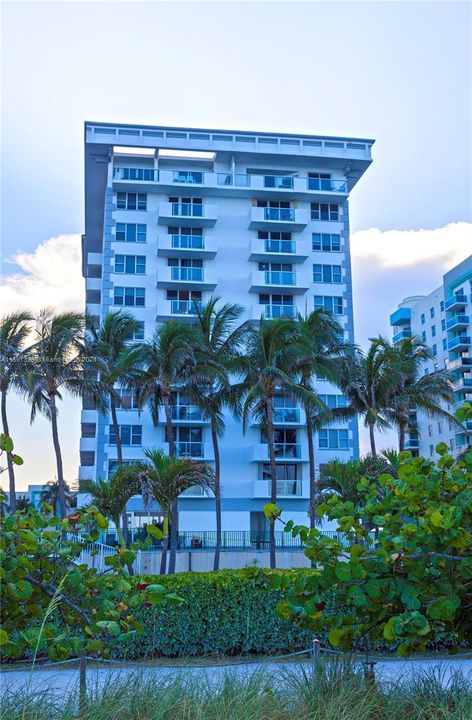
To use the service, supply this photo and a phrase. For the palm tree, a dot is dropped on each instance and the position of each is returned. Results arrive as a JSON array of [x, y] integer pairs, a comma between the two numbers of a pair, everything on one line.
[[319, 334], [14, 329], [218, 340], [163, 478], [272, 352], [114, 360], [55, 364], [51, 496], [415, 390], [165, 359], [342, 478], [111, 496]]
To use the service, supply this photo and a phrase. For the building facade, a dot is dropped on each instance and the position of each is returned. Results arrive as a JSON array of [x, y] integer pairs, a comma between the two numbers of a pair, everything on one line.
[[174, 216], [442, 320]]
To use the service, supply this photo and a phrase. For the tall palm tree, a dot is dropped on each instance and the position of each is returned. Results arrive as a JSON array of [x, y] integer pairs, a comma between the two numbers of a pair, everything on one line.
[[271, 354], [113, 362], [55, 364], [111, 496], [163, 478], [14, 329], [165, 360], [415, 390], [319, 335], [218, 341], [50, 496]]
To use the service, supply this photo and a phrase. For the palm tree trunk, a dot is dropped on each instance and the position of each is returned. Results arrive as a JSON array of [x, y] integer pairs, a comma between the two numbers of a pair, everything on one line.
[[119, 459], [165, 542], [273, 478], [11, 472], [216, 452], [372, 440], [174, 523], [57, 450], [311, 459], [401, 438]]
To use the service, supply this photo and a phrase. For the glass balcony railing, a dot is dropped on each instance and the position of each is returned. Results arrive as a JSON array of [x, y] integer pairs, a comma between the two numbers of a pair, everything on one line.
[[279, 277], [325, 184], [185, 412], [455, 301], [189, 449], [461, 362], [279, 214], [185, 307], [287, 415], [194, 274], [187, 209], [457, 321], [188, 177], [234, 179], [461, 341], [401, 335], [278, 181], [280, 246], [277, 311], [188, 242], [412, 443], [139, 174], [287, 450], [287, 487]]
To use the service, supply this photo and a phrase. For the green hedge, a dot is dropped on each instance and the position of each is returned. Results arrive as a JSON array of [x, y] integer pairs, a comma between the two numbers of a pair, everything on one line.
[[229, 612]]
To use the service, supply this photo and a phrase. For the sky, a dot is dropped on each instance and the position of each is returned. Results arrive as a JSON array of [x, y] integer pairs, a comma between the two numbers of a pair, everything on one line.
[[399, 72]]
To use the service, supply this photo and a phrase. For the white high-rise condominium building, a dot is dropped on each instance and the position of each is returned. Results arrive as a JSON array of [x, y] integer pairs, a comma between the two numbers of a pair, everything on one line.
[[443, 321], [177, 215]]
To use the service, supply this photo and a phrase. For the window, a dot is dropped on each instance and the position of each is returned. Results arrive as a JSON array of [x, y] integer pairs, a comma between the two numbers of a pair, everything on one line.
[[451, 443], [327, 273], [129, 435], [431, 312], [423, 336], [324, 211], [444, 344], [139, 332], [184, 295], [430, 430], [284, 471], [188, 441], [319, 181], [113, 465], [333, 439], [443, 324], [130, 232], [422, 319], [87, 458], [130, 264], [431, 450], [128, 399], [93, 297], [435, 352], [131, 201], [129, 296], [433, 330], [277, 241], [333, 304], [326, 242], [88, 430], [333, 401], [441, 305], [187, 206], [440, 426], [94, 271]]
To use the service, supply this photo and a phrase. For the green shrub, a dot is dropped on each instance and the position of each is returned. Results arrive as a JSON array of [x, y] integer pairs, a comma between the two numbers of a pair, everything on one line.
[[228, 612]]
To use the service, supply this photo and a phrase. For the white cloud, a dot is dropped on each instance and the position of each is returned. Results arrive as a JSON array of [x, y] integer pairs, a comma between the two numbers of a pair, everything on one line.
[[446, 246], [51, 276]]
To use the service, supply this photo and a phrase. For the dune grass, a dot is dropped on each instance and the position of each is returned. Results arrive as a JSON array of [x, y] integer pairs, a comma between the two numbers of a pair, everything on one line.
[[328, 690]]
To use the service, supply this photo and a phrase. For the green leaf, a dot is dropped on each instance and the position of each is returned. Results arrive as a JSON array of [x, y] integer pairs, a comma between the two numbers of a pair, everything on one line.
[[3, 637], [271, 511], [342, 571], [154, 532]]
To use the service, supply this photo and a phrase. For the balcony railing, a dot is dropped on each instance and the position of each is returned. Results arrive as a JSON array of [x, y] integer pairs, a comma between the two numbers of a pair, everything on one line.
[[412, 443], [286, 450], [278, 181], [139, 174], [326, 185], [187, 209], [186, 412], [234, 179], [455, 300], [461, 362], [279, 214], [188, 177], [287, 487], [187, 274], [280, 277], [189, 449], [461, 341], [401, 335], [272, 312], [287, 415], [280, 246], [458, 321], [185, 307], [188, 242]]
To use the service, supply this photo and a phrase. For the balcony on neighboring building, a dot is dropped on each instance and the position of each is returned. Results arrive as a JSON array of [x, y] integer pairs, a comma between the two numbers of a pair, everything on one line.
[[186, 246], [458, 322], [460, 364], [283, 219], [183, 310], [261, 281], [194, 450], [291, 251], [196, 278], [463, 384], [285, 488], [271, 312], [135, 179], [402, 316], [187, 414], [286, 452], [456, 302], [462, 342], [402, 335], [193, 214], [412, 443]]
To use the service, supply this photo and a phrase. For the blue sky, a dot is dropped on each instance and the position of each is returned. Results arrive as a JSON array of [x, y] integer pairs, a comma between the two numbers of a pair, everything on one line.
[[397, 72]]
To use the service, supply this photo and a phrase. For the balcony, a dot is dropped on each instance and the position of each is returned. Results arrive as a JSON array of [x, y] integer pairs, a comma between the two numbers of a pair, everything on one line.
[[462, 342], [285, 488], [279, 250], [283, 219], [458, 322], [412, 443], [188, 277], [402, 335], [186, 246], [402, 316], [264, 280], [272, 312], [190, 449], [463, 385], [286, 452], [287, 416], [194, 215], [463, 364], [134, 179], [187, 414], [183, 310], [456, 302]]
